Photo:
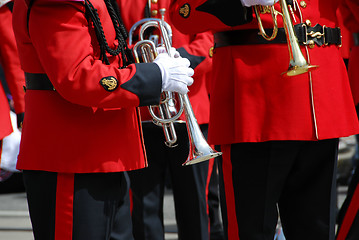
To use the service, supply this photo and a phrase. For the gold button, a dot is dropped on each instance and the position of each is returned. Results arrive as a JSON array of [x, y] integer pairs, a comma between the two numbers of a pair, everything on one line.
[[211, 51], [154, 1], [154, 13], [311, 44], [308, 22], [303, 4]]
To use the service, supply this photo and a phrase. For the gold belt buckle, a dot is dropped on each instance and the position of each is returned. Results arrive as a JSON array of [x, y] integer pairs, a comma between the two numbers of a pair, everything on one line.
[[313, 34]]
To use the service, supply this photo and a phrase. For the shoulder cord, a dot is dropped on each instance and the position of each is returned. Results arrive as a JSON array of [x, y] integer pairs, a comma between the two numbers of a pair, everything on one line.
[[121, 33]]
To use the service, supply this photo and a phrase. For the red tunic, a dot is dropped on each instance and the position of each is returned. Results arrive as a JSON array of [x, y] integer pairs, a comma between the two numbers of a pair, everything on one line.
[[81, 127], [15, 78], [350, 13], [196, 45], [347, 40], [252, 102]]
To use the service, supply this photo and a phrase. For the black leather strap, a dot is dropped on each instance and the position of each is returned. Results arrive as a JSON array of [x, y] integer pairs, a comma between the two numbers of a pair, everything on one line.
[[38, 81], [356, 38], [319, 35]]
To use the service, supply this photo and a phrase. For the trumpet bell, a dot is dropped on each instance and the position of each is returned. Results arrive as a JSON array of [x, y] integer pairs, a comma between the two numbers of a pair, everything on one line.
[[201, 153], [199, 148], [295, 70]]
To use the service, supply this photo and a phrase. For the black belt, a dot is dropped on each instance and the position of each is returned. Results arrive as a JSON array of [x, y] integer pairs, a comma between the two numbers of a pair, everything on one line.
[[38, 81], [356, 39], [320, 35]]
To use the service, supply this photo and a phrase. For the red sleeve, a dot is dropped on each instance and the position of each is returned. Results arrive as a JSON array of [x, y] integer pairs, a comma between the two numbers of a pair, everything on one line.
[[10, 61], [350, 12], [68, 50], [195, 16], [198, 52]]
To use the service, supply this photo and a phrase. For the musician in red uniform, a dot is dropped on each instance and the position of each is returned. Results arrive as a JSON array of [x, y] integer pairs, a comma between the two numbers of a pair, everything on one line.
[[348, 216], [278, 134], [14, 76], [188, 182], [81, 129]]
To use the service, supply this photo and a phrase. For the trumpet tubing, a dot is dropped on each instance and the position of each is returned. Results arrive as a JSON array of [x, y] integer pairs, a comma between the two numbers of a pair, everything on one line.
[[199, 148], [297, 62]]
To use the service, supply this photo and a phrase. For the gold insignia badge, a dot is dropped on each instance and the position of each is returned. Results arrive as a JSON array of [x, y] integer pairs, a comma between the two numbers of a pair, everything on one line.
[[109, 83], [265, 9], [211, 51], [185, 10]]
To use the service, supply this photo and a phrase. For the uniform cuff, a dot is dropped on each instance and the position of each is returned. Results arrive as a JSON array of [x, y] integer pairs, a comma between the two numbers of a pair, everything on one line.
[[195, 60], [146, 84]]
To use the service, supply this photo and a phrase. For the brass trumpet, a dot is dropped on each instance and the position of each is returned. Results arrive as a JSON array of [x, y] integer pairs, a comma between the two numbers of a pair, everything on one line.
[[297, 62], [199, 148]]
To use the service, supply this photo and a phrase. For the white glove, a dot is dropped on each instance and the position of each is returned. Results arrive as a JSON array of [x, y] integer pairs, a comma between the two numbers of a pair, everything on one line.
[[10, 147], [249, 3], [174, 53], [3, 2], [176, 73]]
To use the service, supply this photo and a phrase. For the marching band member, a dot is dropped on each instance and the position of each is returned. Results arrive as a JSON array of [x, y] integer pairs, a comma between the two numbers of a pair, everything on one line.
[[14, 76], [278, 134], [348, 216], [81, 129], [188, 182]]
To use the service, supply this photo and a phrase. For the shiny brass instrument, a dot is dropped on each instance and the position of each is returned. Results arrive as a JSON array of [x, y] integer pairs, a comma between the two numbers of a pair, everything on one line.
[[199, 148], [297, 62], [167, 110]]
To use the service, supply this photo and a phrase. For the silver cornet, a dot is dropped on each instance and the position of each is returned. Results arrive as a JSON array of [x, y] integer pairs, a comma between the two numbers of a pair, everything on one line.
[[199, 148]]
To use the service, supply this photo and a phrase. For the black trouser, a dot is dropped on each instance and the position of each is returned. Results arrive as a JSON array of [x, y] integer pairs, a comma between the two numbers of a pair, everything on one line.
[[92, 206], [345, 210], [216, 228], [188, 185], [348, 220], [295, 177]]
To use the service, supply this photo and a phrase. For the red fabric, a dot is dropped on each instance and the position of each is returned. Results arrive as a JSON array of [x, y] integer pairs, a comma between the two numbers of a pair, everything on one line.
[[349, 10], [349, 216], [64, 206], [14, 76], [347, 39], [5, 126], [210, 171], [81, 127], [195, 44], [350, 13], [353, 72], [230, 201], [252, 102]]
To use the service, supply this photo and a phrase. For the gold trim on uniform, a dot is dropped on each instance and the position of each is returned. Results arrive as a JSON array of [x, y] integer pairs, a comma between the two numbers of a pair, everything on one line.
[[109, 83], [211, 51], [264, 9], [303, 4], [311, 44], [154, 13], [185, 10], [154, 1], [308, 22]]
